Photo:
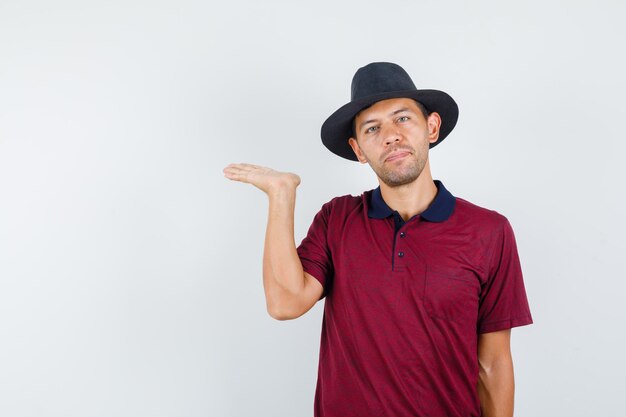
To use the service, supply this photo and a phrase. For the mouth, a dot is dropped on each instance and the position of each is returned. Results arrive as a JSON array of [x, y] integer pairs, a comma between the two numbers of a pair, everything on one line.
[[394, 156]]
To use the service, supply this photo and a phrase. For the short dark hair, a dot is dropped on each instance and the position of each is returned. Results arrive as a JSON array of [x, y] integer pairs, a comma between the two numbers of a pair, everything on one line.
[[420, 106]]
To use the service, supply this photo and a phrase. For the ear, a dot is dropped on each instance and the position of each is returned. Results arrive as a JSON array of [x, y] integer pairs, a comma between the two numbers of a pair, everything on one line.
[[357, 150], [434, 124]]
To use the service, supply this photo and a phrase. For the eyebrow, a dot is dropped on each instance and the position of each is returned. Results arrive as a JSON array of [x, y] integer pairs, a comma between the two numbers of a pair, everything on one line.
[[392, 114]]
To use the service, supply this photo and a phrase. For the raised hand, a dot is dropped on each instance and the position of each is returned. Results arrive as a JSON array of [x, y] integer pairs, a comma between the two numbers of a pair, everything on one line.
[[265, 179]]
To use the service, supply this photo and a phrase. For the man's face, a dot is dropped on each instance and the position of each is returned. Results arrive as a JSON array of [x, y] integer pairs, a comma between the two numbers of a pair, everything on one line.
[[393, 137]]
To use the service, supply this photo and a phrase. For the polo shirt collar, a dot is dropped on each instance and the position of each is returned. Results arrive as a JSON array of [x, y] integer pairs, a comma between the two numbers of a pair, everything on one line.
[[439, 210]]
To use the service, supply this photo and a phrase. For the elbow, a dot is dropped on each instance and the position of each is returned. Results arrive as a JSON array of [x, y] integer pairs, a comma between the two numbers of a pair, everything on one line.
[[281, 314], [280, 317], [283, 305]]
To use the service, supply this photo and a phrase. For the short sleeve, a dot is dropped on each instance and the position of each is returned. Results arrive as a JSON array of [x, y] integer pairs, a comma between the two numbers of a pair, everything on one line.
[[503, 300], [314, 252]]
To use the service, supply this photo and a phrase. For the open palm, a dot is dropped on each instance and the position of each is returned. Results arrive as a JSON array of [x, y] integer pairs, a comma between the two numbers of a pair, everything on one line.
[[264, 178]]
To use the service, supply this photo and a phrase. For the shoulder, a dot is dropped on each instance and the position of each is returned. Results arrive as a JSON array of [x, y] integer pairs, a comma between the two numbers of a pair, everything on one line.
[[342, 207], [488, 227], [346, 202], [482, 217]]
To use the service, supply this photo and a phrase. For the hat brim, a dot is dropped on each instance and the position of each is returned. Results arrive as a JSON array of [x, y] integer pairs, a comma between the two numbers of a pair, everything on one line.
[[337, 129]]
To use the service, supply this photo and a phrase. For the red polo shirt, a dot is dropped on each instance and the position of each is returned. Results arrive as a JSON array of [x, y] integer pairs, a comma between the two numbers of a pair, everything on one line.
[[405, 302]]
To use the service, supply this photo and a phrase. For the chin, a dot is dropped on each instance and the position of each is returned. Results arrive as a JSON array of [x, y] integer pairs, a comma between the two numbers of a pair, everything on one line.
[[399, 181]]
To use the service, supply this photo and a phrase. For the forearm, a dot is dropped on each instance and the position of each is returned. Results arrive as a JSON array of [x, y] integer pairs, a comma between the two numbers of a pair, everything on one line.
[[283, 276], [496, 388]]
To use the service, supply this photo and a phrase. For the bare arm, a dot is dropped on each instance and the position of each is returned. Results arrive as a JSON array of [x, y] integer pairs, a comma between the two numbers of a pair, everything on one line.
[[496, 386], [289, 291]]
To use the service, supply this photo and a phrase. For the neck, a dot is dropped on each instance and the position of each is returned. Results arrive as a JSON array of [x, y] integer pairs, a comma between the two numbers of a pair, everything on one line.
[[413, 198]]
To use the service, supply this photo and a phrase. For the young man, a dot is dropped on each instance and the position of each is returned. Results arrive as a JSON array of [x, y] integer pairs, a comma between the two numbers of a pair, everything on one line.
[[421, 287]]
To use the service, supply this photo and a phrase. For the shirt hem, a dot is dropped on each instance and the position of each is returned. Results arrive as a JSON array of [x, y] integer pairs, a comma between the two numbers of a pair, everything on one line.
[[505, 324]]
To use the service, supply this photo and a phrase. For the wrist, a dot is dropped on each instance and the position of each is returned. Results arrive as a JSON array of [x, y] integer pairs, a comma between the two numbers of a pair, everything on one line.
[[285, 186], [280, 191]]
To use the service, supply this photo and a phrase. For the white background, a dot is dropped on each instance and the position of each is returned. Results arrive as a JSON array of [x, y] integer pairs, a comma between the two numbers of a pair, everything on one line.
[[130, 268]]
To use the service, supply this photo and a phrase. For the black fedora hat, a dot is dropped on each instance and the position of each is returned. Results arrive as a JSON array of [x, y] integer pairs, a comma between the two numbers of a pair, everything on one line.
[[380, 81]]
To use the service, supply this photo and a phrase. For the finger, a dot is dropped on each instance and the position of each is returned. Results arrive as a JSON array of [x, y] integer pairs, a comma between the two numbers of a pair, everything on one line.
[[236, 176], [238, 168], [251, 167], [242, 173], [235, 166], [243, 164], [234, 172], [243, 167]]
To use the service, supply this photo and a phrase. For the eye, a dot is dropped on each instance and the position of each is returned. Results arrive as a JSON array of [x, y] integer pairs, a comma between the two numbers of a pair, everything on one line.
[[403, 118], [371, 129]]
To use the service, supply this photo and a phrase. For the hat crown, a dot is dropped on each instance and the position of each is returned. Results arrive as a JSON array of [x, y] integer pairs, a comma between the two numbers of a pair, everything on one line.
[[379, 78]]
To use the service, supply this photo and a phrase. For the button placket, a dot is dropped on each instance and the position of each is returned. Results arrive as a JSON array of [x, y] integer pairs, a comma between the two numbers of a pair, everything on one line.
[[399, 253]]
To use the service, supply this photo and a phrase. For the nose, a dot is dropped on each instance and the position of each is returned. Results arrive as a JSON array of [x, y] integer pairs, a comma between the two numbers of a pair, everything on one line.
[[390, 134]]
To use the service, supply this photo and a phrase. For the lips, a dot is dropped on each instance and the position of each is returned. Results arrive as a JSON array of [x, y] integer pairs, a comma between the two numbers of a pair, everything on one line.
[[394, 156]]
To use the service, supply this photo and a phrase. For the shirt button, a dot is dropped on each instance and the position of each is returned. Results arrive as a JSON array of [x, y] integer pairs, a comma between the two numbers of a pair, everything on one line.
[[402, 234], [400, 254]]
